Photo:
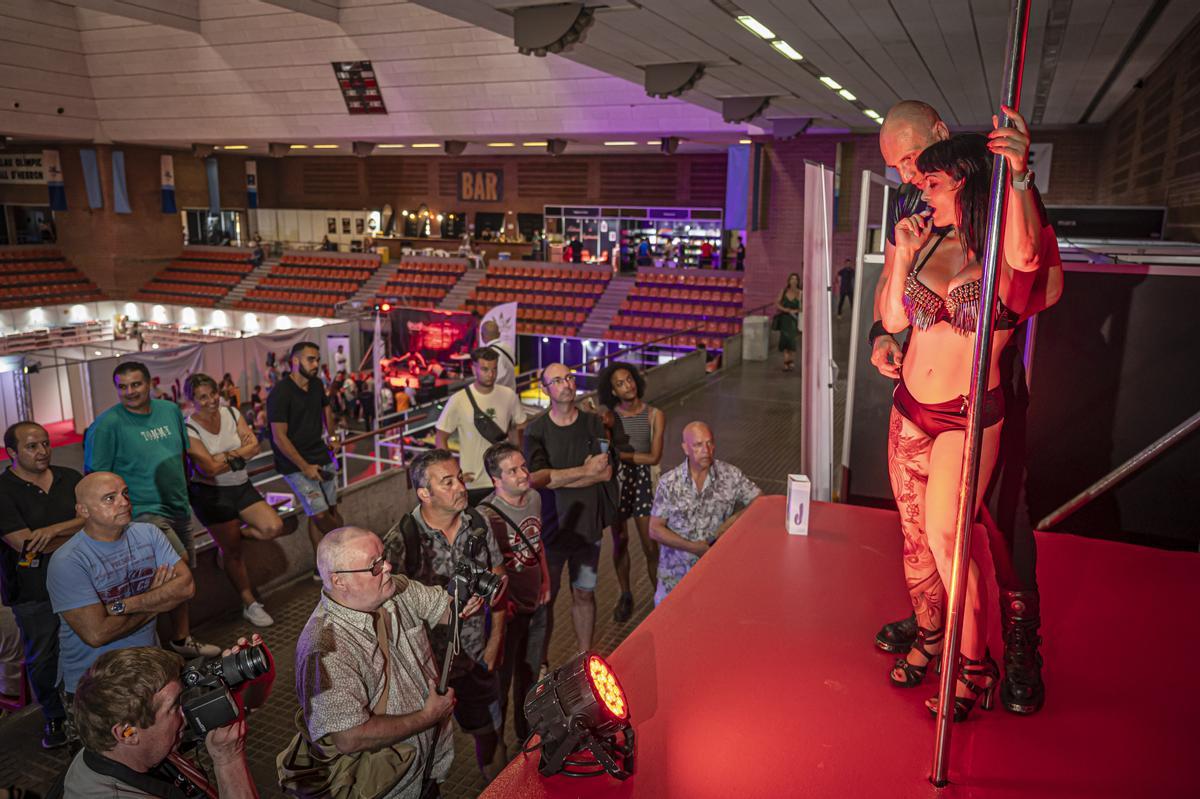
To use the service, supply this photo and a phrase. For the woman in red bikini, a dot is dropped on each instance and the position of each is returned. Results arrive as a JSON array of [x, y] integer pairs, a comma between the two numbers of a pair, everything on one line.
[[934, 288]]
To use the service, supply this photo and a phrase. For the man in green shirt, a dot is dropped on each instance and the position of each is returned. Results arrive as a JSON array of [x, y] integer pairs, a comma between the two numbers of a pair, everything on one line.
[[143, 440]]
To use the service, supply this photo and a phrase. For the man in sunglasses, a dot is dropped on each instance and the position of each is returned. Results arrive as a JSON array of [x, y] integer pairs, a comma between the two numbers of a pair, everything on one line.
[[570, 463], [361, 673]]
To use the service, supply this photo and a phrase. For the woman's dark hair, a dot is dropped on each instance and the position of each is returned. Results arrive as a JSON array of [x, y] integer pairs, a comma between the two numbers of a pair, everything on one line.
[[604, 389], [799, 285], [197, 380], [965, 158]]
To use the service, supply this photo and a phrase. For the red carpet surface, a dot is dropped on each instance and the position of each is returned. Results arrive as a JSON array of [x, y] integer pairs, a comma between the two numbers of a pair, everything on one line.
[[758, 678]]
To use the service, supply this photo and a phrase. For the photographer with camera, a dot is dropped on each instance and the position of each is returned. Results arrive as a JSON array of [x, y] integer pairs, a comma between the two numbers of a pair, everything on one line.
[[444, 543], [130, 708], [297, 408], [371, 718], [219, 443]]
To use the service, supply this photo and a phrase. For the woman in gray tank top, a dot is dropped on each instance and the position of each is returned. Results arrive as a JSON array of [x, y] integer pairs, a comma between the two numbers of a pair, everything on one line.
[[638, 440]]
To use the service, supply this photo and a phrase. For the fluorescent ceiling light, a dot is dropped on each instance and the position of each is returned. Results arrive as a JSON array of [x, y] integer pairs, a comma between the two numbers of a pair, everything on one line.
[[390, 146], [501, 144], [533, 144], [846, 95], [830, 82], [754, 26], [655, 142], [786, 49], [744, 141], [425, 145], [236, 147], [298, 146], [325, 146], [619, 143], [872, 114]]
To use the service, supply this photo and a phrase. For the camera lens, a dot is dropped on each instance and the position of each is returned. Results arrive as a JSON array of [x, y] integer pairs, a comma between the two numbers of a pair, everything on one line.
[[243, 665], [488, 585]]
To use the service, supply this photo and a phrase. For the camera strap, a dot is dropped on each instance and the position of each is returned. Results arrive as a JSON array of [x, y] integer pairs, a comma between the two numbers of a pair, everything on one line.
[[148, 783], [508, 520]]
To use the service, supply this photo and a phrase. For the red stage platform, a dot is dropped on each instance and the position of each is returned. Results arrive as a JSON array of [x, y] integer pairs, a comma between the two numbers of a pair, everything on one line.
[[758, 678], [61, 434]]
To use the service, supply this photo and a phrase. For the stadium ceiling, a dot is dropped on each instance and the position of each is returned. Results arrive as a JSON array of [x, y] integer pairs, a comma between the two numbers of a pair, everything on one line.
[[175, 72]]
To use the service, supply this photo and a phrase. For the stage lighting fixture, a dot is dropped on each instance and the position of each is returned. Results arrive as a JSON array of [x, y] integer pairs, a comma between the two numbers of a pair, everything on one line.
[[581, 717], [542, 29], [31, 368], [383, 307]]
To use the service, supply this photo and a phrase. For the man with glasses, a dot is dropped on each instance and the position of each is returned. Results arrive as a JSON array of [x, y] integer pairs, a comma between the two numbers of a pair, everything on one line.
[[362, 675], [568, 456]]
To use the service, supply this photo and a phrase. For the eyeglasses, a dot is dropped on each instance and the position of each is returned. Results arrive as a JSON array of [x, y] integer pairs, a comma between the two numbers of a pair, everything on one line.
[[376, 568], [559, 381]]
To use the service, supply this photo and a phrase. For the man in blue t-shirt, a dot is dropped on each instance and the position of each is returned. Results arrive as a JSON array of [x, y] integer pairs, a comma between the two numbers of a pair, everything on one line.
[[144, 441], [111, 579]]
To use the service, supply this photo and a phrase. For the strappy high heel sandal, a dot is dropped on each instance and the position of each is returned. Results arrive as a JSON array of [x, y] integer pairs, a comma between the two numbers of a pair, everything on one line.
[[981, 678], [913, 674]]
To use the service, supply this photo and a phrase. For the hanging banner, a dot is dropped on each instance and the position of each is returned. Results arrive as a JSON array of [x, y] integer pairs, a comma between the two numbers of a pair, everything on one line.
[[214, 186], [91, 178], [120, 191], [54, 180], [251, 184], [166, 177], [22, 168], [1040, 158], [816, 337], [498, 329]]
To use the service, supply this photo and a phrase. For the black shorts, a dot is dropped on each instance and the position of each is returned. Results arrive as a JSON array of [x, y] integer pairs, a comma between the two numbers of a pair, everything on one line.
[[220, 504], [637, 493], [477, 695]]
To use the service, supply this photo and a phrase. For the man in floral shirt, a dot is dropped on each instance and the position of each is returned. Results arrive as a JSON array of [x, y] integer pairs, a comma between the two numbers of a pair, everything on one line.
[[695, 503]]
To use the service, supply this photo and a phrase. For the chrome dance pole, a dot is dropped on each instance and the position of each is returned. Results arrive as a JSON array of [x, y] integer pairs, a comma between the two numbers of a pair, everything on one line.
[[1010, 95]]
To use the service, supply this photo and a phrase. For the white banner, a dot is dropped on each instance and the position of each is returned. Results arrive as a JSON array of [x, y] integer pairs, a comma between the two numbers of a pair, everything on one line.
[[498, 329], [816, 338], [166, 171], [22, 168]]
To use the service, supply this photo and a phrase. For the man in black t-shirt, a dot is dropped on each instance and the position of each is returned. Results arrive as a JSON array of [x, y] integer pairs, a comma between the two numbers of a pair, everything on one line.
[[571, 466], [37, 516], [299, 415]]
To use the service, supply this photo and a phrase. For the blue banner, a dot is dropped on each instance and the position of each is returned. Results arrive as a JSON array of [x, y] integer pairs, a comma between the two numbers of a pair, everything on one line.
[[737, 187], [214, 185], [166, 170], [251, 184], [91, 178], [120, 192], [52, 167]]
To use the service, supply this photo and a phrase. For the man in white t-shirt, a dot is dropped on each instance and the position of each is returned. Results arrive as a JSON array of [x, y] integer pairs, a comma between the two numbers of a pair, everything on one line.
[[506, 365], [498, 403]]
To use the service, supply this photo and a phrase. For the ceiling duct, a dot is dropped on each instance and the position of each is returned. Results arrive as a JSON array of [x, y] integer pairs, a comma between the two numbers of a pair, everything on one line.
[[556, 146], [363, 148], [743, 109], [789, 128], [668, 145], [278, 149], [538, 30], [671, 80], [202, 150], [454, 147]]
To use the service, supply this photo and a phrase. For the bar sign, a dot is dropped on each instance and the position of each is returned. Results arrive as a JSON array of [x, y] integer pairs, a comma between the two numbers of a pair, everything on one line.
[[481, 185]]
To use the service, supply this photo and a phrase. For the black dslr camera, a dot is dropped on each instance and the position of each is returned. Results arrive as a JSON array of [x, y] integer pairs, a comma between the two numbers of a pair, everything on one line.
[[207, 702], [470, 579]]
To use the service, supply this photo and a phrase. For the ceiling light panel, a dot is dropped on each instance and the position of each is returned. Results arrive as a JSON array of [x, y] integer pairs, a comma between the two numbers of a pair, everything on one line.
[[786, 50], [754, 26], [830, 82]]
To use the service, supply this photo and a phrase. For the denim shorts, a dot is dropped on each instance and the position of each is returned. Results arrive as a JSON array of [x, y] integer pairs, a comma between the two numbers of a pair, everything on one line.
[[581, 557], [316, 496]]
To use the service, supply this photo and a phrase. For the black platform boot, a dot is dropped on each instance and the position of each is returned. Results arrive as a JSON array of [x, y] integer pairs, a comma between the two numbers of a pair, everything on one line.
[[897, 636], [1022, 690]]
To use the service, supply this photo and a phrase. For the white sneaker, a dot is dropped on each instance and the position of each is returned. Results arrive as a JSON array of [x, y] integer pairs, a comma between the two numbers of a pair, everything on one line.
[[191, 648], [257, 615]]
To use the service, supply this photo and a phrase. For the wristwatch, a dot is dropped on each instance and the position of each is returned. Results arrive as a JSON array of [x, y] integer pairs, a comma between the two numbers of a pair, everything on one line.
[[117, 608], [1023, 184]]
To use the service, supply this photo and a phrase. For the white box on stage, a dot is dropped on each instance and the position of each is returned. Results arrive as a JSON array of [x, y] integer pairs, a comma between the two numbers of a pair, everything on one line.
[[799, 504]]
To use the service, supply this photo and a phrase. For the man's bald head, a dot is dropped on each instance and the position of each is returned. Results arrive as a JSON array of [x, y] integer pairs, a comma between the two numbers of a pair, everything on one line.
[[908, 128], [338, 548], [695, 430], [102, 501], [698, 446]]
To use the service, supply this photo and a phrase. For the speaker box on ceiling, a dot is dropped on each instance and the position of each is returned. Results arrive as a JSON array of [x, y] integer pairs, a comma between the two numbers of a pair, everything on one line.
[[363, 148], [455, 147]]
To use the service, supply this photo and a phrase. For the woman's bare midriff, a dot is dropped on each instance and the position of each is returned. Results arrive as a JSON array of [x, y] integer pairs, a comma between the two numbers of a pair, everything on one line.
[[937, 366]]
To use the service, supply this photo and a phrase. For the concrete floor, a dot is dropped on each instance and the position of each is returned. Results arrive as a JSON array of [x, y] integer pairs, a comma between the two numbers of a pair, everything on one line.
[[754, 410]]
